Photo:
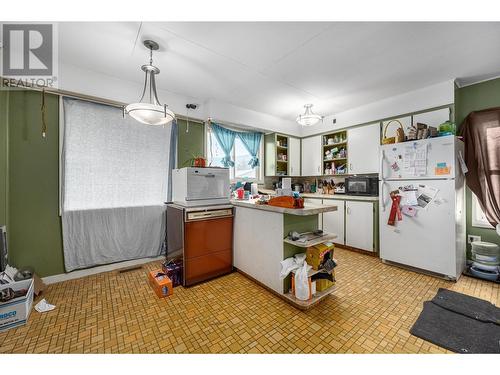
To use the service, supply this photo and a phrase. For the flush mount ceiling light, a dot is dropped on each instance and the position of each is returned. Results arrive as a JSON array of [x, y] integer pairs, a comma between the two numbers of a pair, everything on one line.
[[308, 118], [149, 110]]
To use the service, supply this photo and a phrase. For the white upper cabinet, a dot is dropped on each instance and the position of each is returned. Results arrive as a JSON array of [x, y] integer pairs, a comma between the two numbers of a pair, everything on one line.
[[363, 145], [311, 156], [294, 156]]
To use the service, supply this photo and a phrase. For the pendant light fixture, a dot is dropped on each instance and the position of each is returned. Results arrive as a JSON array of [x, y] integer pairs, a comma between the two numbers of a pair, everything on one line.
[[308, 118], [148, 110]]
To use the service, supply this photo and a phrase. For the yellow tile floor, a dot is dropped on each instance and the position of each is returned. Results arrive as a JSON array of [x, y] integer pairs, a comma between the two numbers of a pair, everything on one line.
[[371, 311]]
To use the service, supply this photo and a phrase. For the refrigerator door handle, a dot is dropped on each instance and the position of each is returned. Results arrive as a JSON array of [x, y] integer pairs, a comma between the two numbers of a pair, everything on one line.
[[382, 201]]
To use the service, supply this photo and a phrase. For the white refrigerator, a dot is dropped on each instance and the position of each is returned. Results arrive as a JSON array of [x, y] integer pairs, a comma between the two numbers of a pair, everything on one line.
[[429, 170]]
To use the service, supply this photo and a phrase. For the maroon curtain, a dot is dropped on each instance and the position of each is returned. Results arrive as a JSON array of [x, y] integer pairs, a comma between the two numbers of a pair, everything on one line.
[[481, 133]]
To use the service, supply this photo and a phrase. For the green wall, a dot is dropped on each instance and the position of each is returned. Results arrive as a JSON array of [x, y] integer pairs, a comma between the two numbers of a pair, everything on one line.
[[34, 225], [468, 99], [190, 143], [3, 156], [29, 178]]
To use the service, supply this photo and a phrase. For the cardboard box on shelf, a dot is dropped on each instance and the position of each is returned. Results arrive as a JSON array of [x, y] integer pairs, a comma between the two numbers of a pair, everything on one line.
[[15, 312], [161, 283], [322, 284], [315, 255]]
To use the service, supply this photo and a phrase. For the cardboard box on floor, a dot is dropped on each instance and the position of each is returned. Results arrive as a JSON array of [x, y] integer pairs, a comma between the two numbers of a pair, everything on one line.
[[15, 313], [38, 285], [160, 283]]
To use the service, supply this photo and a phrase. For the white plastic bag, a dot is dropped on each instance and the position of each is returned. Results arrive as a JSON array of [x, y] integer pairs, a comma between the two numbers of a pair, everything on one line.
[[288, 265], [300, 259], [302, 283]]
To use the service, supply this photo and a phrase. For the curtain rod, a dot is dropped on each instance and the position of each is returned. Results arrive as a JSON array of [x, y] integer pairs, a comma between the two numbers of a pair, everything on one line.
[[89, 98], [238, 127]]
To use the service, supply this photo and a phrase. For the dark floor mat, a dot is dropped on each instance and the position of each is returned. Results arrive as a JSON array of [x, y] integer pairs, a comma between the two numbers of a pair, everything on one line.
[[456, 332], [471, 307]]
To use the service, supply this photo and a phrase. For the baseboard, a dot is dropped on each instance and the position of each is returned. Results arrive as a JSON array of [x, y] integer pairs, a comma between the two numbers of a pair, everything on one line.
[[420, 270], [99, 269], [355, 249]]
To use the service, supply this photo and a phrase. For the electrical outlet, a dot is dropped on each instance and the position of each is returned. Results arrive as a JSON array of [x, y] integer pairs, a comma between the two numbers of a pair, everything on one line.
[[471, 238]]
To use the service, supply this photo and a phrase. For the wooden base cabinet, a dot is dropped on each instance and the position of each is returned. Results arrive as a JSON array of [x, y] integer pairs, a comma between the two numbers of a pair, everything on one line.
[[208, 249], [205, 238]]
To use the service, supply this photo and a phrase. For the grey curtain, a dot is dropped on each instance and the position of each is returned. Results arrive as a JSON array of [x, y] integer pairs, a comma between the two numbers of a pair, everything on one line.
[[481, 134], [172, 161], [114, 185]]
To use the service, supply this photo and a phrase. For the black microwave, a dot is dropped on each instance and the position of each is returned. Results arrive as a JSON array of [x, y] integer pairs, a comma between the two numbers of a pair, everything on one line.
[[361, 185]]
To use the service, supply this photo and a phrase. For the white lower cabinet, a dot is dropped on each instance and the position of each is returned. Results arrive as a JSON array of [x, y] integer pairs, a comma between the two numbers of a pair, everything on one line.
[[359, 225], [333, 222]]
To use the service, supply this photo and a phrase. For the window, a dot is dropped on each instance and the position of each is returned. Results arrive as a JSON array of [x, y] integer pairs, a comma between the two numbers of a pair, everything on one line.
[[109, 161], [240, 156], [114, 174], [478, 217]]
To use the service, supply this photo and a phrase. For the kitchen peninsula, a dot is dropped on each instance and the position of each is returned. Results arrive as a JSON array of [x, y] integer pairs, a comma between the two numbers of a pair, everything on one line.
[[260, 242]]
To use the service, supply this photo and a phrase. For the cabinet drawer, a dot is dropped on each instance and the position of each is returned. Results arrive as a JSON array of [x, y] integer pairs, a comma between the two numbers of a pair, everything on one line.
[[207, 236], [207, 266]]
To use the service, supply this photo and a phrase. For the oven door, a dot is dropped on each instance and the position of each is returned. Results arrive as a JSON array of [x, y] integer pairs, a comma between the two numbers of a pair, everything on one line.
[[357, 186]]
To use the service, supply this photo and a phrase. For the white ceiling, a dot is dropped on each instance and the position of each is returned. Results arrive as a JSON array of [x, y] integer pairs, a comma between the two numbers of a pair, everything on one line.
[[277, 67]]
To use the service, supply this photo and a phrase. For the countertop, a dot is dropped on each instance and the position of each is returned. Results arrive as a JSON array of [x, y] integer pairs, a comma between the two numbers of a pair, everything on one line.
[[340, 196], [309, 209], [180, 206], [327, 196]]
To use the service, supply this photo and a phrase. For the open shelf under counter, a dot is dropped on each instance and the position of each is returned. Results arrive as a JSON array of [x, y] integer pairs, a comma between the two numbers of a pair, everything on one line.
[[304, 305], [327, 237], [312, 272]]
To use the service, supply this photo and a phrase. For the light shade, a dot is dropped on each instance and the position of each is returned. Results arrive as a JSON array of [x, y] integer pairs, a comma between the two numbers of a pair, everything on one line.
[[149, 110], [150, 114], [308, 118]]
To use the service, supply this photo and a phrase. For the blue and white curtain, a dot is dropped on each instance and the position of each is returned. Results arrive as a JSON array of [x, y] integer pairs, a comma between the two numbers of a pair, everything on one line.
[[251, 141], [226, 137]]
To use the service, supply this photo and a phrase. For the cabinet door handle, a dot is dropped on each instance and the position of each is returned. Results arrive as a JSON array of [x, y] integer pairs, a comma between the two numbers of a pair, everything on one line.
[[350, 166], [348, 210]]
